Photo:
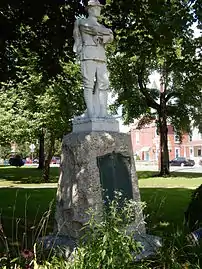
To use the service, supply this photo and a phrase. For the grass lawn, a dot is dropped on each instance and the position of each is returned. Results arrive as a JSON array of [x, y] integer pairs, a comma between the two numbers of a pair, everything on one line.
[[165, 208], [176, 180], [13, 176], [21, 213], [166, 198]]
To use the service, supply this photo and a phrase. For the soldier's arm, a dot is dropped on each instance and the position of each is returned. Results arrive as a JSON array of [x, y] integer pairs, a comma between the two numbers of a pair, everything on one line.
[[77, 38], [102, 32], [88, 29]]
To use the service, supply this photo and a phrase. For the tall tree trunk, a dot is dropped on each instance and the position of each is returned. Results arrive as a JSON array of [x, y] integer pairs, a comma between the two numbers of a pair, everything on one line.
[[163, 131], [50, 152], [162, 115], [41, 151]]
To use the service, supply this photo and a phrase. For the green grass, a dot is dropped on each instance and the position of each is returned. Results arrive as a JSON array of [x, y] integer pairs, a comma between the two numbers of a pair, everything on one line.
[[176, 180], [166, 198], [29, 176], [13, 176], [22, 209], [165, 208]]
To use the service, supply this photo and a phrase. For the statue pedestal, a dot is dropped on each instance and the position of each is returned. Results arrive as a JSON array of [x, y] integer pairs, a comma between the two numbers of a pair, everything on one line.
[[91, 162], [95, 125], [82, 181]]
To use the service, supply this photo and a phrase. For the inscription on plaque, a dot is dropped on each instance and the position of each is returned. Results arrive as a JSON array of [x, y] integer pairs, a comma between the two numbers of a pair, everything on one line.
[[115, 175]]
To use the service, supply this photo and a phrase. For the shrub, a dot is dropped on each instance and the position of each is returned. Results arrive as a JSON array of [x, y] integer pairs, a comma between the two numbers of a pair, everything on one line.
[[107, 243], [193, 214]]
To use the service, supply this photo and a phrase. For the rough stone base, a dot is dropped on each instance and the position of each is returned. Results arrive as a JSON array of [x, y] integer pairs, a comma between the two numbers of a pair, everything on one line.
[[63, 246], [95, 124], [150, 243], [79, 186]]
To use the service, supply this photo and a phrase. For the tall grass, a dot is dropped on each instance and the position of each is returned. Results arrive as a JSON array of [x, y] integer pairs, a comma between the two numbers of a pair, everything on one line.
[[18, 253], [106, 244]]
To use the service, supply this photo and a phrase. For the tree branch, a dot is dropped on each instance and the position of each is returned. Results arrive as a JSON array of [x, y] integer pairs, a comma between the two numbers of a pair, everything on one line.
[[170, 95], [150, 101]]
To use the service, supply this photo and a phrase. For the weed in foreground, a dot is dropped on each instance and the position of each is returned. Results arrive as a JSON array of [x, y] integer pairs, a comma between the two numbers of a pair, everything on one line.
[[19, 251], [106, 244]]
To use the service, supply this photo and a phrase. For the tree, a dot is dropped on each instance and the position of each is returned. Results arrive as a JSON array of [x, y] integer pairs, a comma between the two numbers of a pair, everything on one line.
[[56, 107], [44, 28], [32, 108], [148, 39], [35, 49]]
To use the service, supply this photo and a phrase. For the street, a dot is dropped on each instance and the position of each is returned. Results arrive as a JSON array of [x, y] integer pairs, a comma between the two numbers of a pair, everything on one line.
[[151, 167], [147, 167]]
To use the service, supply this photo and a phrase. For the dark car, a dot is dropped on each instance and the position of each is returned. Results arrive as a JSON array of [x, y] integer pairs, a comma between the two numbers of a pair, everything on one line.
[[35, 160], [182, 161], [16, 161]]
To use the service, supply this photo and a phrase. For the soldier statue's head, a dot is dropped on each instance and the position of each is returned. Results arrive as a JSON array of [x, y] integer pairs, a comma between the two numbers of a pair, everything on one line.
[[94, 8]]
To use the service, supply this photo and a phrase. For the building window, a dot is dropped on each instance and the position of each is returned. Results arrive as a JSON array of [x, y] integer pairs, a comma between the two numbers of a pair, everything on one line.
[[199, 152], [191, 151], [137, 138], [190, 138], [177, 153], [177, 138]]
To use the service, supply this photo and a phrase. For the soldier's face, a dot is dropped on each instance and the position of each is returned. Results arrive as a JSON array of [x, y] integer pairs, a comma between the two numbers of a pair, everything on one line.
[[94, 11]]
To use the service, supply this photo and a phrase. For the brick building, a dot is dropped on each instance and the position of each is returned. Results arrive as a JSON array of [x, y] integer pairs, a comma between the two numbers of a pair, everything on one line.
[[146, 142]]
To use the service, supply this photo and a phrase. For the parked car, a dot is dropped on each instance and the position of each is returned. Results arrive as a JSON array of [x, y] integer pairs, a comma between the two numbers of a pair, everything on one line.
[[16, 161], [182, 161], [55, 160], [35, 161]]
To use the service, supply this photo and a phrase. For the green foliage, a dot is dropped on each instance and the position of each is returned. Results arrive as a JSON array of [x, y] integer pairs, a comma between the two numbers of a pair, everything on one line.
[[39, 82], [107, 242], [23, 148], [5, 151], [58, 102], [177, 253], [152, 40], [32, 107], [43, 28]]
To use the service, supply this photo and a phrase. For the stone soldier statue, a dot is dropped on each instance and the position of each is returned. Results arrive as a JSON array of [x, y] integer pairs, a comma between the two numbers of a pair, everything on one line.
[[90, 40]]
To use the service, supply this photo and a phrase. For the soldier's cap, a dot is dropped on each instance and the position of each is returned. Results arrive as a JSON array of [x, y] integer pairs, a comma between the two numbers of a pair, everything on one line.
[[93, 3]]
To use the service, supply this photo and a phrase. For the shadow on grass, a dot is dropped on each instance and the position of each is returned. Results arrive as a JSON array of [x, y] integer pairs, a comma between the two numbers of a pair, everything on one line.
[[165, 209], [26, 174], [24, 208], [186, 174], [148, 174]]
